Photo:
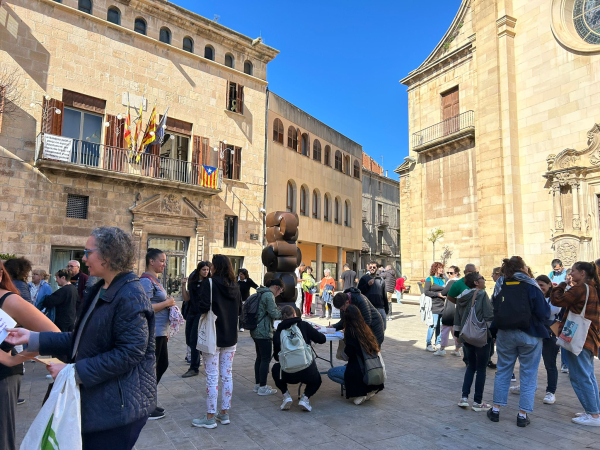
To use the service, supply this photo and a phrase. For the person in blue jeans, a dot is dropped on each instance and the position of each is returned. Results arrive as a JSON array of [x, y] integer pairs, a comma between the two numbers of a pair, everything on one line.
[[516, 287], [434, 285]]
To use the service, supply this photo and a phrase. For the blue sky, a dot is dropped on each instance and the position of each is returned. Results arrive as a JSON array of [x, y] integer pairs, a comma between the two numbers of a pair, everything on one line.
[[342, 61]]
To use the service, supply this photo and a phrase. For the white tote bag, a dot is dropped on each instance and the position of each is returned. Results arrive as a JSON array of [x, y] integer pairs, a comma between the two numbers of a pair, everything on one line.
[[575, 330], [58, 424], [207, 329]]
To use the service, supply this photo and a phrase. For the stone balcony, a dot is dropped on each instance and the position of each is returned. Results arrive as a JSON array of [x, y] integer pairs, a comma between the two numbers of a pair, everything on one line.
[[447, 135]]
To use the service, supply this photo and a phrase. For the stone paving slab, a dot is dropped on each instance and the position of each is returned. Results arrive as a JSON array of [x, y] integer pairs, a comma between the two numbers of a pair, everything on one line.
[[417, 409]]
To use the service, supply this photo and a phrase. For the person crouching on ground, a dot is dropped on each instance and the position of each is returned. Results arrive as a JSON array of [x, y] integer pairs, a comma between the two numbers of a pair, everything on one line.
[[309, 376], [357, 336]]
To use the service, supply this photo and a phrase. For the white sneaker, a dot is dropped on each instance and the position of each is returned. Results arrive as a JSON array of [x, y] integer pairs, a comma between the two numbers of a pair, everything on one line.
[[430, 348], [564, 369], [515, 389], [304, 403], [587, 420], [287, 402], [464, 402], [456, 353], [440, 352], [370, 395], [550, 398], [266, 390], [256, 387], [360, 400]]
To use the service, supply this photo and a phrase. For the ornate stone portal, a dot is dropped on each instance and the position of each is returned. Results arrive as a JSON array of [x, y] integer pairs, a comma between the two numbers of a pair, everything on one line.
[[574, 181]]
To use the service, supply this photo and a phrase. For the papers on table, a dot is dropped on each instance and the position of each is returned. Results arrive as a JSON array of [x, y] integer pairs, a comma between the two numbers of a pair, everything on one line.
[[5, 322]]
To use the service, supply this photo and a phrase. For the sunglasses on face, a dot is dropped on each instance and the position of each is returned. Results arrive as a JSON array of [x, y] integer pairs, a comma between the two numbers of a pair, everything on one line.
[[480, 278], [449, 273]]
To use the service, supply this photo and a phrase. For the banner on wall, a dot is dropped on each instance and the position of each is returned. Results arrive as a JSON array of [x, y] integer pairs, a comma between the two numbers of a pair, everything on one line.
[[57, 147]]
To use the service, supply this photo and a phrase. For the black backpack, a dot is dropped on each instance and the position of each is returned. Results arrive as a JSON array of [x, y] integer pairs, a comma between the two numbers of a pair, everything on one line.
[[512, 308], [250, 311]]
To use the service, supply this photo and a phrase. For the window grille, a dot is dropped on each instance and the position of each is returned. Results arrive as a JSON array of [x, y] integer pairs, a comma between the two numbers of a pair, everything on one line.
[[77, 206]]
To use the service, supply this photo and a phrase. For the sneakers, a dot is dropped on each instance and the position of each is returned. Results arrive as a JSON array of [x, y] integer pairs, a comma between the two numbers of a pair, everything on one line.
[[287, 402], [564, 369], [20, 401], [190, 373], [587, 420], [513, 379], [223, 418], [480, 407], [205, 422], [494, 416], [464, 402], [158, 408], [550, 398], [242, 330], [456, 353], [370, 395], [304, 403], [360, 400], [256, 386], [492, 365], [156, 414], [439, 352], [266, 390], [523, 421], [515, 389], [430, 348]]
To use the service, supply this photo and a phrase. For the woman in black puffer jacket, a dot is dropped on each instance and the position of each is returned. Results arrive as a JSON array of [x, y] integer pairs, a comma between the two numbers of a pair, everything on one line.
[[112, 346]]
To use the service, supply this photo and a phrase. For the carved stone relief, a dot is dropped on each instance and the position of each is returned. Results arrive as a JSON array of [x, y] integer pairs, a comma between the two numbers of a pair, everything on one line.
[[172, 204], [567, 253]]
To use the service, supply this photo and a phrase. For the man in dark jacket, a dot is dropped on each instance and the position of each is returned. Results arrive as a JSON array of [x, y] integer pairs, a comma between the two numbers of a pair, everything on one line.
[[371, 315], [309, 376], [78, 278], [372, 286], [389, 278], [64, 300]]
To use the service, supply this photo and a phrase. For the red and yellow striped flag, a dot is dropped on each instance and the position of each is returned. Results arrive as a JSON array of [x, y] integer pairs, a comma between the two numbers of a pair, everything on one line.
[[150, 134]]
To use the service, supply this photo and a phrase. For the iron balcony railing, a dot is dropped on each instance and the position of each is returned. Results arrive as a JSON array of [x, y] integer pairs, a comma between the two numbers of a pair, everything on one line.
[[119, 160], [384, 249], [383, 220], [445, 128]]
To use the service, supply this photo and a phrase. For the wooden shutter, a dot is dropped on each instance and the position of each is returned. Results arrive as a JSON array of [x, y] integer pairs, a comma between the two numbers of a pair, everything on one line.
[[52, 122], [237, 163], [450, 111], [227, 96], [299, 141], [2, 99], [222, 159], [240, 99], [197, 151], [113, 136], [205, 151]]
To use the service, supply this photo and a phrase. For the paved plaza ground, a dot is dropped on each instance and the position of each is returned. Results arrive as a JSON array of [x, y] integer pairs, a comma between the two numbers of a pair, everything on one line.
[[417, 409]]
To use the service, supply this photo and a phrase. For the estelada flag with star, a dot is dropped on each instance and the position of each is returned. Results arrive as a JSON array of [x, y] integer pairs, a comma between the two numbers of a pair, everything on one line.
[[209, 177]]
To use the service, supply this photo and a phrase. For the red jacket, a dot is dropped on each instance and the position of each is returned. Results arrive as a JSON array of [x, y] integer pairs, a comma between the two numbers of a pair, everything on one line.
[[400, 284]]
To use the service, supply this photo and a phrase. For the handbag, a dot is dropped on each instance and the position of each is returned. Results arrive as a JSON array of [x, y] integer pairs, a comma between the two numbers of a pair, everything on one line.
[[207, 329], [341, 354], [575, 330], [474, 331], [372, 368], [448, 314]]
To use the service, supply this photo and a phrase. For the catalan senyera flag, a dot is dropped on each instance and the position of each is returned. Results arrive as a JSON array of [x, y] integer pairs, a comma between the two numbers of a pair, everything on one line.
[[209, 177], [150, 134], [127, 132]]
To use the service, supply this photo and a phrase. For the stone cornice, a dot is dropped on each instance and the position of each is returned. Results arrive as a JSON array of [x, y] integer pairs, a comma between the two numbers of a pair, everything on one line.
[[453, 57], [506, 26]]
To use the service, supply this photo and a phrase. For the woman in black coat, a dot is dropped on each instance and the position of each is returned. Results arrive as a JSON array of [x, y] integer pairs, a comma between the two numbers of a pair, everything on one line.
[[357, 336]]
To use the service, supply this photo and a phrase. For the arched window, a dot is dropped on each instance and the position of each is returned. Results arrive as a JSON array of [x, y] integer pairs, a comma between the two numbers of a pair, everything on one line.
[[113, 15], [338, 160], [305, 148], [327, 160], [326, 207], [188, 44], [165, 35], [315, 204], [289, 204], [229, 61], [278, 131], [248, 67], [336, 211], [85, 6], [347, 165], [347, 213], [356, 169], [293, 138], [139, 26], [317, 150], [303, 201], [209, 53]]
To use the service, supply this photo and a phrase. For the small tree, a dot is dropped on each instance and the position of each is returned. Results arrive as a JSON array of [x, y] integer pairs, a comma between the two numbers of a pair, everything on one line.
[[435, 235], [11, 93], [446, 254]]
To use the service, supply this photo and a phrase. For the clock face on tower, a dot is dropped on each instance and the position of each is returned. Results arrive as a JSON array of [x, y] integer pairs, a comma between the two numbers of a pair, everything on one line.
[[586, 17]]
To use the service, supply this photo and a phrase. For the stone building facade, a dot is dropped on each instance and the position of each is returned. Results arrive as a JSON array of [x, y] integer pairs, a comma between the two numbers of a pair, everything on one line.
[[315, 171], [492, 109], [380, 217], [80, 64]]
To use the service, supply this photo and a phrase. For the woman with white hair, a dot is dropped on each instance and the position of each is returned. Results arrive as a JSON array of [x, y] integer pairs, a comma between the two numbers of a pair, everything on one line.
[[326, 292]]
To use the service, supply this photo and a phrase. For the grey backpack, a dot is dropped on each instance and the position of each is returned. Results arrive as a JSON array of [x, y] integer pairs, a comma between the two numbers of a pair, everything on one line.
[[295, 354]]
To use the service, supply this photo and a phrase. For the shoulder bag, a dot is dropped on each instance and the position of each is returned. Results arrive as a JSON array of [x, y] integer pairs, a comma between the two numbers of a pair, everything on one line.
[[575, 330], [373, 368], [207, 329], [474, 331]]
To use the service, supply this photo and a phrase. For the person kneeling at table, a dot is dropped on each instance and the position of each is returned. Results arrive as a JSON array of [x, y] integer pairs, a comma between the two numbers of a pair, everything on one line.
[[357, 336], [309, 376]]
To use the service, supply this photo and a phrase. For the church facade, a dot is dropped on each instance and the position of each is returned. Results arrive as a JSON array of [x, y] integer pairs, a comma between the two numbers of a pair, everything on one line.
[[504, 142]]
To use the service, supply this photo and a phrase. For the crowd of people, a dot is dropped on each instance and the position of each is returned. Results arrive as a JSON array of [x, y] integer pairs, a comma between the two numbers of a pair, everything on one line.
[[114, 327], [525, 319]]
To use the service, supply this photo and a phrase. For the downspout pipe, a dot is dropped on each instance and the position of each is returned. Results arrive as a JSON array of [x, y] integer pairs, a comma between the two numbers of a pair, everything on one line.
[[264, 215]]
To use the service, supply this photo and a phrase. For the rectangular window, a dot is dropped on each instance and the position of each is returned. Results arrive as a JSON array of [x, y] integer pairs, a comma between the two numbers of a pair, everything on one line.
[[232, 162], [59, 259], [235, 97], [86, 130], [77, 206], [237, 263], [230, 237]]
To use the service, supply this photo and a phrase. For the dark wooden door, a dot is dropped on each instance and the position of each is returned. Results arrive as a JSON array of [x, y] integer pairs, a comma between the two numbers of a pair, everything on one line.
[[450, 111]]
